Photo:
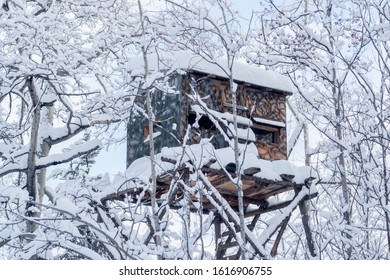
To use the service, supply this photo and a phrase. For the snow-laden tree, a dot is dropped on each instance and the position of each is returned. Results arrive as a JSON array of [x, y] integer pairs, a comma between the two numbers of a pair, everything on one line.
[[57, 79], [66, 68], [336, 53]]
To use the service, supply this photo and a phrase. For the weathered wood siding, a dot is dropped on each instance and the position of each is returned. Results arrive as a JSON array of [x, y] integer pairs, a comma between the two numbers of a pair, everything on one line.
[[271, 106], [252, 102], [172, 113]]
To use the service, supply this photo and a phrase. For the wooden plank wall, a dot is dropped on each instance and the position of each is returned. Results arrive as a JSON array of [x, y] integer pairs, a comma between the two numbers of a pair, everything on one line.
[[267, 104]]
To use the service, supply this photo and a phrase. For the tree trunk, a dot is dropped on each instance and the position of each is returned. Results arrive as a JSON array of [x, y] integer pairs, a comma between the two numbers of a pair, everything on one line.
[[31, 183], [155, 218], [304, 206], [240, 194], [341, 164], [44, 152]]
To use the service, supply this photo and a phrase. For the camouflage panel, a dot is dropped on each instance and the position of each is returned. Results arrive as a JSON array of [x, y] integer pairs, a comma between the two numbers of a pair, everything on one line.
[[167, 124]]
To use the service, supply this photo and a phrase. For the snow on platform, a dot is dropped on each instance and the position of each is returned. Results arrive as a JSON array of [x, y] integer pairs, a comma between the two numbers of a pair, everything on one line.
[[261, 179]]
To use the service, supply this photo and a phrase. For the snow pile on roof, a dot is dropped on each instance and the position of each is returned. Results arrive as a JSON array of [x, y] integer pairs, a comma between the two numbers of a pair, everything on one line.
[[204, 154], [242, 72]]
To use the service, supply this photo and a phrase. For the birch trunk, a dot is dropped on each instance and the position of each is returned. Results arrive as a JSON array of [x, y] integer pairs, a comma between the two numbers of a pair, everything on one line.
[[240, 194], [341, 164], [155, 218], [45, 147], [31, 183]]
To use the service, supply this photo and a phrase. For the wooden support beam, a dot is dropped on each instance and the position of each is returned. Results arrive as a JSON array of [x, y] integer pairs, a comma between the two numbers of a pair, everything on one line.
[[228, 244], [276, 206], [251, 171], [220, 251], [266, 191], [120, 195], [169, 160], [252, 225], [287, 177], [279, 236], [211, 171], [217, 226], [220, 202], [232, 197], [304, 209]]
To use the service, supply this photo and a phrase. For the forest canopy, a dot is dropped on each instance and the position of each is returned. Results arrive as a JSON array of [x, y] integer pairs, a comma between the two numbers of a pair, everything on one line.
[[68, 90]]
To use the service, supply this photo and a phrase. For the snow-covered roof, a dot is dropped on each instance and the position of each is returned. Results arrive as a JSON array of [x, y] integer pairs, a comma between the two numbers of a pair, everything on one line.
[[242, 72]]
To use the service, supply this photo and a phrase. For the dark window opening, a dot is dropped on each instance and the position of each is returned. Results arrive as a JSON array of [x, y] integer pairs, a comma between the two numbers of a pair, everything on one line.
[[266, 134], [231, 167], [204, 122]]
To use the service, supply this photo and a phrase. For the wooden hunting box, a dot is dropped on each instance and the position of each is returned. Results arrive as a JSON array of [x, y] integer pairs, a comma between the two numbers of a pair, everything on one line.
[[195, 161], [261, 109]]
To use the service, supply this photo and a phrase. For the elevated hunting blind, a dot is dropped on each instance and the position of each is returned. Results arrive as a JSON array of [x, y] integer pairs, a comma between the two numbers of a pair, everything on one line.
[[201, 112], [261, 108]]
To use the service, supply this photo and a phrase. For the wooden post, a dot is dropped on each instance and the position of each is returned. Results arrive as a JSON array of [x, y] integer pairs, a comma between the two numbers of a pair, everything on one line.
[[218, 235]]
